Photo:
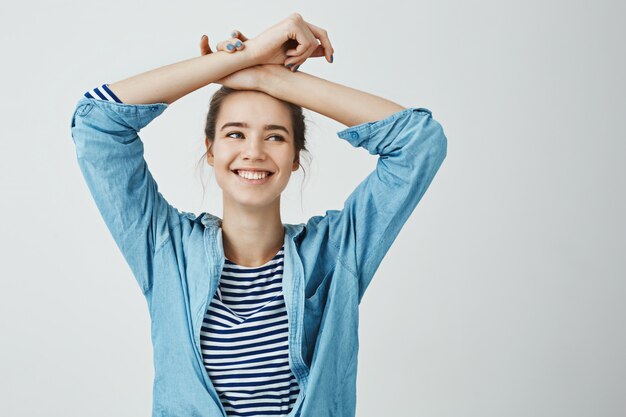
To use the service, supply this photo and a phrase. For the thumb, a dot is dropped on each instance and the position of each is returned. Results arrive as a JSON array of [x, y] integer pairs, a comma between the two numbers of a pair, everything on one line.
[[205, 49]]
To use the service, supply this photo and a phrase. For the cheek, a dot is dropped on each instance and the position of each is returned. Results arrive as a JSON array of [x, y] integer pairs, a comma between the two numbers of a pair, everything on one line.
[[222, 156]]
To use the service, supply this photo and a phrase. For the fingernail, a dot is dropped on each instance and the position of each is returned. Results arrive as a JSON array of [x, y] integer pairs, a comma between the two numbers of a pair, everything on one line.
[[331, 58], [238, 44], [296, 68], [230, 47], [233, 34], [289, 66]]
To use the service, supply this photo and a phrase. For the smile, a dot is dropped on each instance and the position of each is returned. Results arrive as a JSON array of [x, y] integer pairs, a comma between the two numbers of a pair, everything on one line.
[[250, 177]]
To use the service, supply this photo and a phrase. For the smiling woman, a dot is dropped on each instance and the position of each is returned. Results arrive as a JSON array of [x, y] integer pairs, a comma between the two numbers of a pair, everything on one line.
[[238, 303], [252, 148]]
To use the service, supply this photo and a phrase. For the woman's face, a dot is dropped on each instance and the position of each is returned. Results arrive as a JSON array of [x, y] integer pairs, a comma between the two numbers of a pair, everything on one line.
[[253, 131]]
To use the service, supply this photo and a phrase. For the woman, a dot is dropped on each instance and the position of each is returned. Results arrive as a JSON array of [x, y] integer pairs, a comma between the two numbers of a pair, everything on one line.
[[251, 316]]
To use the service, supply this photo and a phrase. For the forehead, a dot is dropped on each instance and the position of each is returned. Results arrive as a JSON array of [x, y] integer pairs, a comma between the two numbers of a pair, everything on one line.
[[254, 108]]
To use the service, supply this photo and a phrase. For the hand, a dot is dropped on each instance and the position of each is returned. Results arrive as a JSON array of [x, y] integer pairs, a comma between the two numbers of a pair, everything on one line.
[[246, 79], [290, 42]]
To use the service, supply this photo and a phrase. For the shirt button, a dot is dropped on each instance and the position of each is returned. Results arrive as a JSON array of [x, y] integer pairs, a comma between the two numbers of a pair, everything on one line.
[[354, 135]]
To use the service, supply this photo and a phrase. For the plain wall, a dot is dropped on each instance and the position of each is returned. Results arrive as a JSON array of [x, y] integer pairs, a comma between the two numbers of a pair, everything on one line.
[[504, 294]]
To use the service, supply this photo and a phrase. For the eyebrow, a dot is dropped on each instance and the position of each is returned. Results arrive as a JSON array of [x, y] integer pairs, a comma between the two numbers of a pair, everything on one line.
[[266, 127]]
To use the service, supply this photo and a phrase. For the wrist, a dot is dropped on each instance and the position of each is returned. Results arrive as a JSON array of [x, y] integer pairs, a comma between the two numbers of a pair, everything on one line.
[[242, 59], [273, 77]]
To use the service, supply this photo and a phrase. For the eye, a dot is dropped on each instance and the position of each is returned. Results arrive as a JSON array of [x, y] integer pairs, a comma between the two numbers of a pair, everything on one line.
[[233, 133], [278, 137]]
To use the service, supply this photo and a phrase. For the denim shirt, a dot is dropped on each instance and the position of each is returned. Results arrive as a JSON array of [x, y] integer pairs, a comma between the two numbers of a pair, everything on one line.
[[329, 261]]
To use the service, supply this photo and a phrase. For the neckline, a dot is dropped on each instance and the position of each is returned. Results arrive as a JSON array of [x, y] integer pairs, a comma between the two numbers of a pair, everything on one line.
[[211, 221], [233, 263]]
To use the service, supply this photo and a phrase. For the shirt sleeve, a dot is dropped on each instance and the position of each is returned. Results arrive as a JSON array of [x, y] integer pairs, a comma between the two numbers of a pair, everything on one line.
[[102, 93], [411, 147], [110, 155]]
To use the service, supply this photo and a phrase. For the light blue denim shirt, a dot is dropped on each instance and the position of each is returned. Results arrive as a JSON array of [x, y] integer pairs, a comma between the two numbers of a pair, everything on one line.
[[177, 257]]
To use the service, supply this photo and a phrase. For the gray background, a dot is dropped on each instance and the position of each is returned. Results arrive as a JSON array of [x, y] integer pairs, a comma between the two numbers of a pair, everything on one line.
[[504, 294]]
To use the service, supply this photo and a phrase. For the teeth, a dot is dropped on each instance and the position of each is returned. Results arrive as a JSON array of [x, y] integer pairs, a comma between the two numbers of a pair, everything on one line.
[[252, 175]]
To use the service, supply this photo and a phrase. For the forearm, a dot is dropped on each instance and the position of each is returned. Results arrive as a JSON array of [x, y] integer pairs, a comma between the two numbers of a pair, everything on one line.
[[339, 102], [169, 83]]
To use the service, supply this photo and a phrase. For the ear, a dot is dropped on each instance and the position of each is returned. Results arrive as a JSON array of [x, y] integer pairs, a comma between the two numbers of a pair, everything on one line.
[[209, 155], [296, 164]]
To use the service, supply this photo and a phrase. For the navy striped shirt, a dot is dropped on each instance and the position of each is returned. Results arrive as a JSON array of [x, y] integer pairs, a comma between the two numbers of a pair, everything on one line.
[[244, 336], [102, 93], [245, 344]]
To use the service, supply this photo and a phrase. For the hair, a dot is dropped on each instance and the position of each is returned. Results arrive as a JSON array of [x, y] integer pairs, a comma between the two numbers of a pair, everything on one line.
[[297, 122]]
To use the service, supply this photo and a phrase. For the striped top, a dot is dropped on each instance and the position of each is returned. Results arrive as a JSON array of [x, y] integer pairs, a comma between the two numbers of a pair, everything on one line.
[[244, 341], [244, 335], [102, 93]]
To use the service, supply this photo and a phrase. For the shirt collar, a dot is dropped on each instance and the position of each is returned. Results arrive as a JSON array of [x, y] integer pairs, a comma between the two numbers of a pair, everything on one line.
[[209, 221]]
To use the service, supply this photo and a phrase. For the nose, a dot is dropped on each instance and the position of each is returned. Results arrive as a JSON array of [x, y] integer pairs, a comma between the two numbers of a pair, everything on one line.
[[253, 149]]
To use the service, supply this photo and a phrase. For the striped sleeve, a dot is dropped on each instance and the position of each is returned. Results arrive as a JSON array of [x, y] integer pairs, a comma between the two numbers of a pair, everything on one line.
[[102, 93]]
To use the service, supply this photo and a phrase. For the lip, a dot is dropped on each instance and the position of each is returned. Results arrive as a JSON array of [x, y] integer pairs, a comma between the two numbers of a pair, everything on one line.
[[250, 181], [252, 169]]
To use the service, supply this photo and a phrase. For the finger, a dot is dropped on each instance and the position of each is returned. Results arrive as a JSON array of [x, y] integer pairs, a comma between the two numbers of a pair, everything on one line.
[[304, 57], [239, 45], [205, 49], [319, 51], [294, 61], [300, 32], [236, 34], [322, 35], [316, 50], [302, 47], [230, 45]]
